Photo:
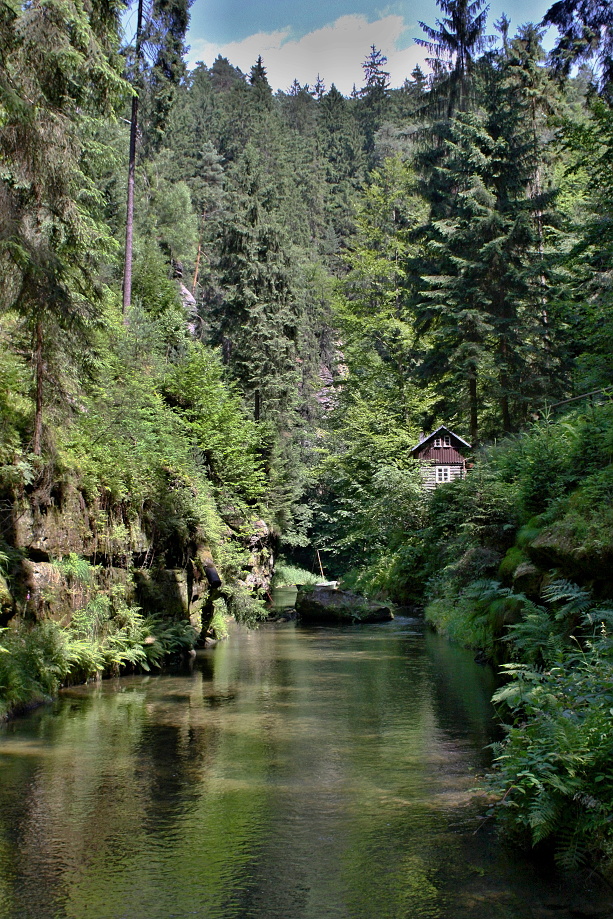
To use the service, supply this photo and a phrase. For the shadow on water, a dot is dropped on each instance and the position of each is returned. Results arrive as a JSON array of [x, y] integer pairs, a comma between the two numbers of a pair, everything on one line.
[[291, 774]]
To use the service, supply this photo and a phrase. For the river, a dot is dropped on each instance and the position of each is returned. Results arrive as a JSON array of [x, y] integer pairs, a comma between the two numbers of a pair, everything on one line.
[[291, 773]]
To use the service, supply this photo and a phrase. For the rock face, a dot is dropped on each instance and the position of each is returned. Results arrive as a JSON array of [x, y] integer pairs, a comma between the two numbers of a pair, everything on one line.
[[177, 578], [329, 605]]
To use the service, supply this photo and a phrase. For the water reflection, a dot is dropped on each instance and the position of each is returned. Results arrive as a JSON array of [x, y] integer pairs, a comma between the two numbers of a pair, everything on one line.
[[292, 774]]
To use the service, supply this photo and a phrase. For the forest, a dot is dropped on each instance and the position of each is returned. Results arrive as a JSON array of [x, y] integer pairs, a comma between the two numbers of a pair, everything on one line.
[[227, 316]]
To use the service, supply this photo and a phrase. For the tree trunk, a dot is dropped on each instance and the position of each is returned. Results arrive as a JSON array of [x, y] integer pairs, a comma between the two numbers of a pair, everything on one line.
[[197, 268], [472, 399], [504, 388], [127, 273], [39, 371]]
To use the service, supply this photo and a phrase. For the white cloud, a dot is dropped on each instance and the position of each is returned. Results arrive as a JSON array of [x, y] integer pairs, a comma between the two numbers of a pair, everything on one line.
[[335, 51]]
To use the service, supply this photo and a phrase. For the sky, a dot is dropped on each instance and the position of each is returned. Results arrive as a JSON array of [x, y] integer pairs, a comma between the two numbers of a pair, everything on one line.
[[302, 38]]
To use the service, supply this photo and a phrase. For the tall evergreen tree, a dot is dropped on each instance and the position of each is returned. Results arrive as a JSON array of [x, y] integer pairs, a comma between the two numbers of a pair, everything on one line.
[[375, 313], [484, 298], [257, 321], [59, 68], [341, 151], [161, 36], [374, 96], [586, 32], [262, 90], [454, 44]]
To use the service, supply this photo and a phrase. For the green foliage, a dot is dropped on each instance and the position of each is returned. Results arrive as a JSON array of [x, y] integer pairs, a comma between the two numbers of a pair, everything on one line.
[[288, 575], [246, 608], [75, 568], [552, 773], [108, 636], [229, 442], [464, 292], [485, 527], [105, 637], [34, 662]]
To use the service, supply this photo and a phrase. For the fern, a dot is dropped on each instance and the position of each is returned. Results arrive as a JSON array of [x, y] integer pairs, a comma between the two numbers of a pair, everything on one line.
[[575, 600]]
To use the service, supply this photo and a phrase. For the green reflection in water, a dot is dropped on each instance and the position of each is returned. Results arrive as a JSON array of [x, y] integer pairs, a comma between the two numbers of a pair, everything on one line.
[[292, 774]]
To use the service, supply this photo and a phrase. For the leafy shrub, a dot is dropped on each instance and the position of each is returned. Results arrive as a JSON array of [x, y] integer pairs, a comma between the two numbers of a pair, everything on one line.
[[552, 774], [105, 637], [246, 609], [287, 575], [217, 625], [34, 660]]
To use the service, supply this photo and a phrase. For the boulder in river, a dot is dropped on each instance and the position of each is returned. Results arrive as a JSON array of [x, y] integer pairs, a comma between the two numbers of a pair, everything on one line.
[[323, 604]]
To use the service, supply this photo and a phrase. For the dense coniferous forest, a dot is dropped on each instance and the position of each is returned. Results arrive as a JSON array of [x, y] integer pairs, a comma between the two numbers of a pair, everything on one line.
[[233, 366]]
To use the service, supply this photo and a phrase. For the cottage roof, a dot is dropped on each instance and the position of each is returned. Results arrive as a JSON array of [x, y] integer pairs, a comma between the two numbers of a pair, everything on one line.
[[437, 433]]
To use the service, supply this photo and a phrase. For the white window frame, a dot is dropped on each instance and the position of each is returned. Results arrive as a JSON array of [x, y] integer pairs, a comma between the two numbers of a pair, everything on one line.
[[443, 474], [437, 442], [446, 440]]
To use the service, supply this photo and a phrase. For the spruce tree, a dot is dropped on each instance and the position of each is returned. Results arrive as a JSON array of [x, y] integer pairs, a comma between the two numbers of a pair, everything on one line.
[[58, 71], [341, 151], [257, 321], [373, 97], [483, 302], [157, 67], [454, 45], [586, 32], [375, 313]]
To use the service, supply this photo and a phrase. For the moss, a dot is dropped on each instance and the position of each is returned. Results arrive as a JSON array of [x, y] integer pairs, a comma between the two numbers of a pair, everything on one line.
[[529, 531], [512, 560]]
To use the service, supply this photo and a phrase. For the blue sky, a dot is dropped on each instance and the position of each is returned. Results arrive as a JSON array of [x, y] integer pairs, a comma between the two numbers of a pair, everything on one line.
[[301, 39]]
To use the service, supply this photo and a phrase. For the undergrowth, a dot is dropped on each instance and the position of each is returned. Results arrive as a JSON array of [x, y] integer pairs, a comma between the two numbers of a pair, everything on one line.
[[552, 776]]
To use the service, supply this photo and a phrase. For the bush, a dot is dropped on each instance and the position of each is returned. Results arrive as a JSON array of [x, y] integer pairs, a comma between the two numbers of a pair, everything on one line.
[[553, 776], [288, 575], [34, 660]]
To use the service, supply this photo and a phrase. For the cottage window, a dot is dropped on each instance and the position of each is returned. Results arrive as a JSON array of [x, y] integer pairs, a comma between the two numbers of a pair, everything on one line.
[[442, 441], [443, 474]]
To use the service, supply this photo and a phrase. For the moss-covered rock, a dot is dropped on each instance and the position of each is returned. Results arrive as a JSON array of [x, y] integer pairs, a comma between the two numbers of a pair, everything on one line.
[[510, 563], [528, 579], [574, 551], [330, 605], [51, 526], [45, 592]]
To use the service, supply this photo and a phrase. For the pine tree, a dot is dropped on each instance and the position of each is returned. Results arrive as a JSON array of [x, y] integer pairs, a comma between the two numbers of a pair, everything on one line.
[[262, 92], [373, 97], [375, 314], [454, 45], [319, 88], [341, 151], [484, 297], [586, 28], [161, 39], [257, 321], [60, 68]]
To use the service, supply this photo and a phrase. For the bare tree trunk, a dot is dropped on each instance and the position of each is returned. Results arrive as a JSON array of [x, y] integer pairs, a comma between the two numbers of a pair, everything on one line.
[[504, 387], [472, 398], [197, 268], [39, 370], [127, 273]]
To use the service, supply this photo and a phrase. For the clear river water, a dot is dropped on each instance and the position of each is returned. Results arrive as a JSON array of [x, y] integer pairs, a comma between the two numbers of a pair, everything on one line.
[[290, 773]]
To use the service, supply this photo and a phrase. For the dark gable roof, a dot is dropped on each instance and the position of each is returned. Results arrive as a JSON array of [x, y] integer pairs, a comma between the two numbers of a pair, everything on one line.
[[437, 433]]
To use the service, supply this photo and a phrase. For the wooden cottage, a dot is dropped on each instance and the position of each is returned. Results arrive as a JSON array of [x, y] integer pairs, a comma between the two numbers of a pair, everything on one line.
[[442, 456]]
